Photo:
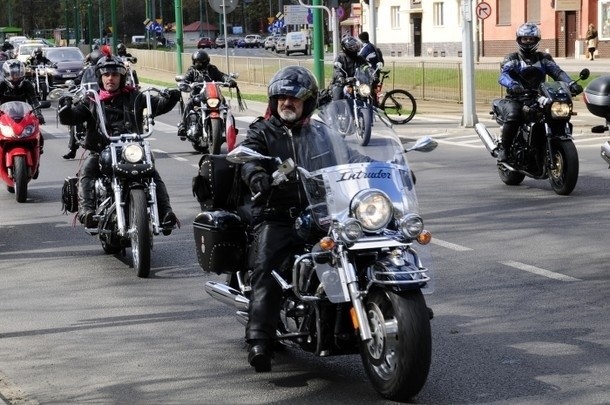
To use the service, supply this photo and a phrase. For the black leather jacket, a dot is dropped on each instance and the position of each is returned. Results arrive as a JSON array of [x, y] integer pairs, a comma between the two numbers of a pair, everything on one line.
[[26, 93], [123, 114], [349, 65], [211, 73]]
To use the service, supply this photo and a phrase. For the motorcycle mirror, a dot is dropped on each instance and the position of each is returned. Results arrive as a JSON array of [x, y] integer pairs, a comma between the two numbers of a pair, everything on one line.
[[179, 78], [584, 74], [423, 144], [70, 83], [234, 75], [56, 94], [242, 154], [338, 65]]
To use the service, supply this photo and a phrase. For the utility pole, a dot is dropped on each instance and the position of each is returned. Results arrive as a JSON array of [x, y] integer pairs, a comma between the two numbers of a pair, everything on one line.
[[179, 35], [469, 119]]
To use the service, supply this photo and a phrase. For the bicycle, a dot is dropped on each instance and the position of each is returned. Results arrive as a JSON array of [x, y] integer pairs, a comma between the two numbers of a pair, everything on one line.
[[398, 105]]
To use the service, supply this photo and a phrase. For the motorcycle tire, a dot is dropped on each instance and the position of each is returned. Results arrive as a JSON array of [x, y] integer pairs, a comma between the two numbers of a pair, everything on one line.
[[510, 177], [563, 173], [20, 178], [397, 361], [365, 125], [140, 232], [216, 132]]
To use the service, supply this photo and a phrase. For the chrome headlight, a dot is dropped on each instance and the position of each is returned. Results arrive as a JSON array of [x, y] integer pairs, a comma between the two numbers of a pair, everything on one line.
[[351, 231], [561, 110], [133, 153], [213, 102], [364, 90], [372, 208], [411, 225]]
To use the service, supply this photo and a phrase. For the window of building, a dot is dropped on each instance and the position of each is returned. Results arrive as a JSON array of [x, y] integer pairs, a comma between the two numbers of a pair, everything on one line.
[[395, 14], [532, 11], [603, 25], [437, 14], [503, 16]]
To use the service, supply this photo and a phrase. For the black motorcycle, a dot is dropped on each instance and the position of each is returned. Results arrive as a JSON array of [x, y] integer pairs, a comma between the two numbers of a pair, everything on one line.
[[543, 147], [357, 284]]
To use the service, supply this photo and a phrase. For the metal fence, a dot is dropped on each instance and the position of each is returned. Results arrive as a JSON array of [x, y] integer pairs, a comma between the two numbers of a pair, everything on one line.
[[426, 80]]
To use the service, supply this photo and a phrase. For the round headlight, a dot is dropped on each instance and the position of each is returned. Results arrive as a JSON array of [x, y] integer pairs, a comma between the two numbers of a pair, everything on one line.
[[351, 231], [372, 208], [561, 110], [411, 225], [133, 153], [365, 90], [213, 102]]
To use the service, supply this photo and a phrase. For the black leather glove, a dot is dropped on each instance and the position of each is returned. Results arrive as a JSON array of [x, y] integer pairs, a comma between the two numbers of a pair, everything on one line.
[[517, 90], [576, 88], [232, 83], [65, 101], [259, 183], [40, 118]]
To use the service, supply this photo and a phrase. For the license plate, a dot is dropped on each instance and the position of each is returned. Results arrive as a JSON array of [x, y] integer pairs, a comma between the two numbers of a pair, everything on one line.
[[69, 75]]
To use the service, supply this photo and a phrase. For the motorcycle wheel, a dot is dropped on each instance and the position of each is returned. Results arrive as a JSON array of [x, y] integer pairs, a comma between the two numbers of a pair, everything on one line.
[[365, 124], [139, 231], [20, 178], [44, 91], [397, 358], [509, 177], [563, 174], [216, 132]]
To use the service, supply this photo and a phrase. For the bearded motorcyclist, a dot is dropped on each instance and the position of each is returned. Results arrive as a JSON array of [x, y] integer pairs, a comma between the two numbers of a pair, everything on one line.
[[123, 107], [14, 87], [350, 60], [511, 107], [285, 132], [201, 71]]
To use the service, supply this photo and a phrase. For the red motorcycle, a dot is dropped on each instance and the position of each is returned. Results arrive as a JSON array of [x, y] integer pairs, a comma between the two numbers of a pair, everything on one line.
[[20, 141]]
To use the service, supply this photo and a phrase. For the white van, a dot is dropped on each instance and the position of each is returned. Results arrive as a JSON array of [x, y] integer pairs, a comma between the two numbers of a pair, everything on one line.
[[296, 42], [138, 39]]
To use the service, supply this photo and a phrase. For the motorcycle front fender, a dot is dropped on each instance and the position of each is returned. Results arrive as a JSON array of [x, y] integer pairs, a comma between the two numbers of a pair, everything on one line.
[[31, 157]]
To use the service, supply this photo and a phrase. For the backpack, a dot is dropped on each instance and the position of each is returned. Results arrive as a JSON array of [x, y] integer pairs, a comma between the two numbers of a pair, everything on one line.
[[379, 55]]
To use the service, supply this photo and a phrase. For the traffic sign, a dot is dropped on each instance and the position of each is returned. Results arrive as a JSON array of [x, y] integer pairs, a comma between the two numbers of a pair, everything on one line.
[[483, 10]]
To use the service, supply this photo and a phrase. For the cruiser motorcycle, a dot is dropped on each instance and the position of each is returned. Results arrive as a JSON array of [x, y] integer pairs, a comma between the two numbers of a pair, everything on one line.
[[543, 147], [207, 123], [39, 77], [357, 283], [126, 201]]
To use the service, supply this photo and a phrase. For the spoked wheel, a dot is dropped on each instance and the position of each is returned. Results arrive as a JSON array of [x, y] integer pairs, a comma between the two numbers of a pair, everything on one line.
[[140, 232], [397, 358], [20, 178], [365, 124], [564, 167], [216, 136], [399, 106]]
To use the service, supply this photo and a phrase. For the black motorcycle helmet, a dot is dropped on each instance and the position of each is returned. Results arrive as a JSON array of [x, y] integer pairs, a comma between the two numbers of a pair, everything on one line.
[[37, 53], [351, 45], [110, 64], [13, 72], [294, 81], [201, 59], [95, 56], [528, 37], [121, 49]]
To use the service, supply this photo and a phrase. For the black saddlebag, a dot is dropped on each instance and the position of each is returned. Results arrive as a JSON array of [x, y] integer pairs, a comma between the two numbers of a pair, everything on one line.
[[220, 240], [217, 184]]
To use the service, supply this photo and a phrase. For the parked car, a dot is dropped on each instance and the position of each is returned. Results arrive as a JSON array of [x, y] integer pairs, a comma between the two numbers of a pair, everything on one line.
[[254, 41], [241, 43], [206, 42], [280, 44], [69, 61], [269, 43]]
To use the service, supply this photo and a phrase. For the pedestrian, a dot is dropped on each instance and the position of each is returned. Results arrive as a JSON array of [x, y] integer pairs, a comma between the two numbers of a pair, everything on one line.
[[591, 41]]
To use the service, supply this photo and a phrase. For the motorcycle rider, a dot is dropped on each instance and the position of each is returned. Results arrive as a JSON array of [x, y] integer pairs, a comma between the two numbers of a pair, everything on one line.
[[37, 58], [200, 71], [121, 50], [123, 106], [85, 76], [14, 87], [528, 37], [284, 132], [7, 46], [350, 60]]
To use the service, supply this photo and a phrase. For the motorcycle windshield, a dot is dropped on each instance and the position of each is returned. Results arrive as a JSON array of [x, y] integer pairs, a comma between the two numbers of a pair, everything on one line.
[[364, 74], [352, 168], [15, 109]]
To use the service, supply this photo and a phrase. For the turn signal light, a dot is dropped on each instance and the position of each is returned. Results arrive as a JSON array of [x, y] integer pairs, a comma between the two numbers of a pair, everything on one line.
[[327, 243], [424, 237], [352, 313]]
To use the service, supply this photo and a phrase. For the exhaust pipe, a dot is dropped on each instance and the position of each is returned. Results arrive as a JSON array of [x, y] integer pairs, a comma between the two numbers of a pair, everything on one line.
[[486, 138], [227, 295], [606, 152]]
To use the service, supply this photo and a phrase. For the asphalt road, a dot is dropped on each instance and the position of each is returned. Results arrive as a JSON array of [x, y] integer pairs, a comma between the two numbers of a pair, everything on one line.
[[521, 303]]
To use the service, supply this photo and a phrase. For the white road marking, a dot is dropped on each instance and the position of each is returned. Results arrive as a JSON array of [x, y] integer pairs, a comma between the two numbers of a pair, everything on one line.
[[450, 245], [539, 271]]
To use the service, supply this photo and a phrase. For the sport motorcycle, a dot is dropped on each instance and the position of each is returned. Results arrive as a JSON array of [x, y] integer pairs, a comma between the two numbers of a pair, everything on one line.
[[20, 146], [357, 283], [543, 147], [208, 123]]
